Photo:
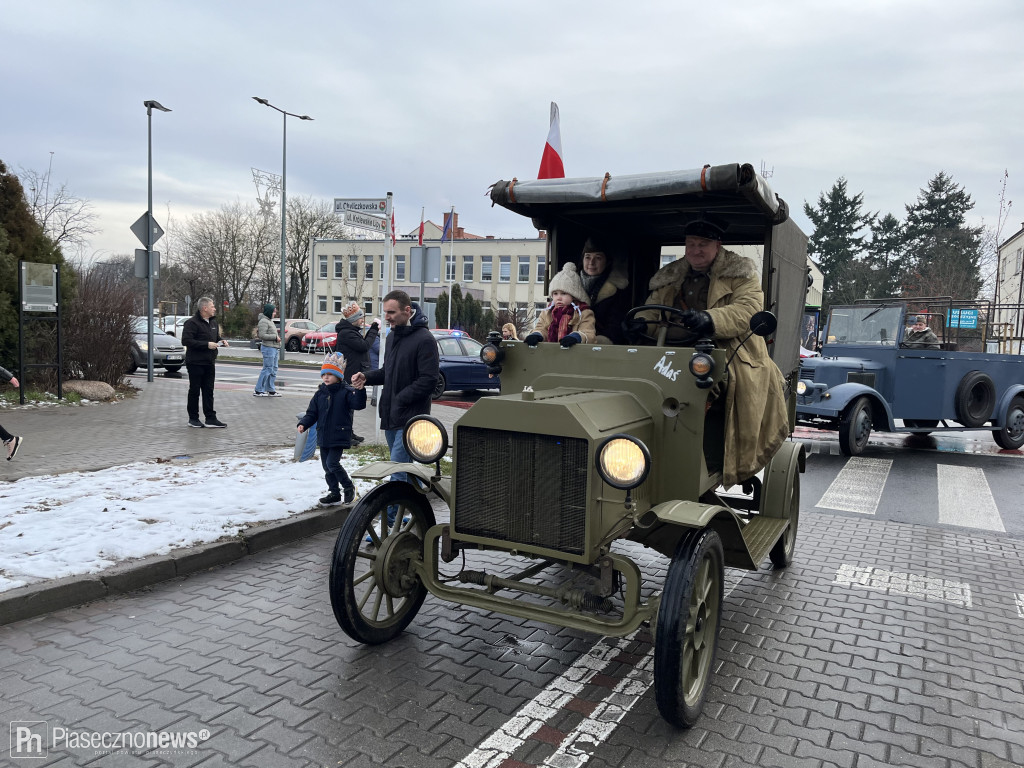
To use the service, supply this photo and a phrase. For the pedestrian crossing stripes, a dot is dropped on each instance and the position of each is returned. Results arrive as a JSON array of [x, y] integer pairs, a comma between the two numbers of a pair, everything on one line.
[[965, 499], [858, 486]]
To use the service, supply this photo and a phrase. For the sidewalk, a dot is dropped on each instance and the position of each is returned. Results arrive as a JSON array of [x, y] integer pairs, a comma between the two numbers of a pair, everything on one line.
[[152, 427]]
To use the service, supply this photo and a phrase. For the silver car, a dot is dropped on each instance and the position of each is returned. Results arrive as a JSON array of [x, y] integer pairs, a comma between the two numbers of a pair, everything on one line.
[[168, 353]]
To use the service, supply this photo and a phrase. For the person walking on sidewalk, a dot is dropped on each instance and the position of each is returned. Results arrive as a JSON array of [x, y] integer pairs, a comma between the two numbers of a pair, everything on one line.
[[270, 344], [331, 409], [11, 442], [353, 345], [409, 374], [201, 337]]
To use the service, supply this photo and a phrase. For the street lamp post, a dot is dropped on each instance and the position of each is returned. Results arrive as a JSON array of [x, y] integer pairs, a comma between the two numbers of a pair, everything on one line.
[[284, 236], [150, 106]]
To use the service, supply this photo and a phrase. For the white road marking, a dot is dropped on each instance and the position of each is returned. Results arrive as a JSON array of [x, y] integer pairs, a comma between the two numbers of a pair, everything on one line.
[[965, 499], [858, 486], [909, 584], [1020, 604], [594, 729]]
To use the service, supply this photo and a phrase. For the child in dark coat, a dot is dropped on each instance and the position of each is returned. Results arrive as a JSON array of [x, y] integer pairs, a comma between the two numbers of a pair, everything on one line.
[[331, 410]]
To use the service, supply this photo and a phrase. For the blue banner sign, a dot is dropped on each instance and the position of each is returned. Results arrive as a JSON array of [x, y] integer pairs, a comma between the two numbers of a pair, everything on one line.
[[962, 318]]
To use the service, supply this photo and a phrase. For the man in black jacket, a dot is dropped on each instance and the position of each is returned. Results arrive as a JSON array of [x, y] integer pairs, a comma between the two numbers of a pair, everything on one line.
[[409, 373], [201, 337], [353, 345]]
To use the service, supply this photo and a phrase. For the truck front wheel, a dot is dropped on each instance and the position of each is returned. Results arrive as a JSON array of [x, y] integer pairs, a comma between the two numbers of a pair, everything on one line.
[[686, 636], [855, 427], [1011, 436]]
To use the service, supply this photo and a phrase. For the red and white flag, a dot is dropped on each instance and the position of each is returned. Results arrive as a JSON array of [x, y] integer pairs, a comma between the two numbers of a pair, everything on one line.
[[421, 224], [551, 161], [393, 238]]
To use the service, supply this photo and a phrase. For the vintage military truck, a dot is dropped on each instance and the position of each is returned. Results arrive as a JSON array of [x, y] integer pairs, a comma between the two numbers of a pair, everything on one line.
[[868, 377], [592, 447]]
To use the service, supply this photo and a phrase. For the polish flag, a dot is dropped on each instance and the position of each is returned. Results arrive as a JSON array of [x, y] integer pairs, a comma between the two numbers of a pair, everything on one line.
[[393, 238], [551, 161], [421, 225]]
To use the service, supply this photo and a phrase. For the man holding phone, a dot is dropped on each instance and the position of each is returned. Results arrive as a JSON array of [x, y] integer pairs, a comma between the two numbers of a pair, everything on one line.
[[201, 337]]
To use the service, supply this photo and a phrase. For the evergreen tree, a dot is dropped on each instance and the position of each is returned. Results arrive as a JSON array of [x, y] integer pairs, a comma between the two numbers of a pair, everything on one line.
[[944, 252], [837, 241], [885, 256]]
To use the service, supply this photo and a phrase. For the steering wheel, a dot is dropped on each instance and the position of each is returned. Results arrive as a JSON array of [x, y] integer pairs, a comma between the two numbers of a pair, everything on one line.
[[664, 320]]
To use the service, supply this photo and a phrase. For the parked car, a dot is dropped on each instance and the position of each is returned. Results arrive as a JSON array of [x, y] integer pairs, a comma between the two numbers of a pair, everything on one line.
[[168, 353], [295, 330], [171, 324], [320, 340], [461, 366]]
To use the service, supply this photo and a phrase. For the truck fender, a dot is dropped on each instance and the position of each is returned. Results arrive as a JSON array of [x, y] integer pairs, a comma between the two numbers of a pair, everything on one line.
[[844, 394], [1004, 402], [427, 481], [667, 522]]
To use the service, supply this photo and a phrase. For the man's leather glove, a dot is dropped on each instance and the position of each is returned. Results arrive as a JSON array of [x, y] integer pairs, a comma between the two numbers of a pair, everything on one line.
[[633, 327], [375, 325], [533, 339], [698, 321], [570, 339]]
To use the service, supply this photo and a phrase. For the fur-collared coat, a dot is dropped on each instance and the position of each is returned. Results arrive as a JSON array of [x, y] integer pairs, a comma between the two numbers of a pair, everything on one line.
[[756, 416], [610, 306], [581, 323]]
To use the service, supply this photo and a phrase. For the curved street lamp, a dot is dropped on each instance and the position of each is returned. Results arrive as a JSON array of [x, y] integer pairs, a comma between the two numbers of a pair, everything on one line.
[[284, 241], [150, 105]]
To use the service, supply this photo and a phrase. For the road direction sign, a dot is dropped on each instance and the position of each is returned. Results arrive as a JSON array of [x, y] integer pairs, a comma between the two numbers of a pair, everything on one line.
[[374, 205], [140, 229], [362, 221]]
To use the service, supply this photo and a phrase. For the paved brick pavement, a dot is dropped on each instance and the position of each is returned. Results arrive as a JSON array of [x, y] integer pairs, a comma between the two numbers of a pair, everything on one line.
[[154, 425], [819, 666]]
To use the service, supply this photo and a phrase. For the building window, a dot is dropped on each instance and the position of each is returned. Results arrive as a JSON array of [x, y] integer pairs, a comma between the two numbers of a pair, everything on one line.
[[353, 268], [339, 269], [503, 306], [467, 269], [539, 306], [524, 269], [337, 305], [323, 266], [540, 269], [666, 259], [368, 307], [368, 261], [399, 268], [1020, 254], [485, 269], [321, 304], [449, 269], [504, 269]]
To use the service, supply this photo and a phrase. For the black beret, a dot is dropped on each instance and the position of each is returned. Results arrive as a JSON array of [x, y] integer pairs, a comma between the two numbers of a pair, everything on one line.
[[705, 229]]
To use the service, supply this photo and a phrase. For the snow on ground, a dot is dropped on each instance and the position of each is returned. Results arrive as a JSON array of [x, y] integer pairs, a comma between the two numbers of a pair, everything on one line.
[[82, 522]]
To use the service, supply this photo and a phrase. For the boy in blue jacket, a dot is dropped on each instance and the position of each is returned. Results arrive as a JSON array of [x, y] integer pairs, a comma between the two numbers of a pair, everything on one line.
[[331, 410]]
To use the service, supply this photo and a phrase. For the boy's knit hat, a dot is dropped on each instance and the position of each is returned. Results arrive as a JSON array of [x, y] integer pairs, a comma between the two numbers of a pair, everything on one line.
[[268, 310], [352, 312], [568, 281], [334, 364]]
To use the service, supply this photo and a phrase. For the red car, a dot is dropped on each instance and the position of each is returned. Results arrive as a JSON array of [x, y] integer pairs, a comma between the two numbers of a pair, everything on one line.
[[321, 340]]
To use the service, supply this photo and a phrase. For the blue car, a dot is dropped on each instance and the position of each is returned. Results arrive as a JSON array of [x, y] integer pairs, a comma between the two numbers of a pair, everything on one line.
[[461, 366]]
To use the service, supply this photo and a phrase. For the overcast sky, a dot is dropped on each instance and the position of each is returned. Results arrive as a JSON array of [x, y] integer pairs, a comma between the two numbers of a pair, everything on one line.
[[434, 101]]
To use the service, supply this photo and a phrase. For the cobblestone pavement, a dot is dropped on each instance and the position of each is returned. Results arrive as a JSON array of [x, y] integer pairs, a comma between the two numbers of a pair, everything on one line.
[[884, 644]]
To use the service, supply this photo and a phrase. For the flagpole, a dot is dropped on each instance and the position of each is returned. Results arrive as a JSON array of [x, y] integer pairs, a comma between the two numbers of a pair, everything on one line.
[[451, 251]]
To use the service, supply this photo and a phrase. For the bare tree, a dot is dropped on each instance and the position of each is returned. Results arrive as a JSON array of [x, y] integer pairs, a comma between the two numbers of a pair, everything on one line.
[[66, 219], [307, 219], [222, 245]]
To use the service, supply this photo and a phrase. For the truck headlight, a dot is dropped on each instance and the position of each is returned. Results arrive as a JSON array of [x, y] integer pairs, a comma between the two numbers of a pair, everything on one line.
[[492, 354], [801, 387], [425, 439], [623, 461]]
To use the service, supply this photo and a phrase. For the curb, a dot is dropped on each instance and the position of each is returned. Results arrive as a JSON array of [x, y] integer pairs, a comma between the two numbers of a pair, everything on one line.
[[56, 594]]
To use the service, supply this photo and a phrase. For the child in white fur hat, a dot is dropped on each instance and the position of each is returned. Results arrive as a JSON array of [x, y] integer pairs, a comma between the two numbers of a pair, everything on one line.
[[567, 320]]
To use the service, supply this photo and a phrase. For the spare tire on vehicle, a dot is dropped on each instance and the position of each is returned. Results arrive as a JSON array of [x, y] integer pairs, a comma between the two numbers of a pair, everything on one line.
[[975, 399]]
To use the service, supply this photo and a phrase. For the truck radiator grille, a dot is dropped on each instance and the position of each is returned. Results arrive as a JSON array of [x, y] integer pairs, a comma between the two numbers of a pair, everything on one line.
[[807, 373], [860, 377], [521, 487]]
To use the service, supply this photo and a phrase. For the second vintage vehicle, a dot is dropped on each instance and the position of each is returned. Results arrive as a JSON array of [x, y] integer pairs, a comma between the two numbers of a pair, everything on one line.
[[869, 376], [593, 453]]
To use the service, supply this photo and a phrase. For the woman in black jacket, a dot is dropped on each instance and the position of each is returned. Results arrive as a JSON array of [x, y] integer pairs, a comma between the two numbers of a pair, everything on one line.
[[354, 345], [605, 283]]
